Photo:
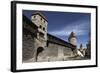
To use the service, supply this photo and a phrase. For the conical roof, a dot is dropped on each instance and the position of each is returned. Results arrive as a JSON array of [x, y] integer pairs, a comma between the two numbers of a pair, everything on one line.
[[39, 13], [72, 34]]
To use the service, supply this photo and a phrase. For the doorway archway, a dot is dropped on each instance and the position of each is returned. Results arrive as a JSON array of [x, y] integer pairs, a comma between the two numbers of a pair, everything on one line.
[[39, 50]]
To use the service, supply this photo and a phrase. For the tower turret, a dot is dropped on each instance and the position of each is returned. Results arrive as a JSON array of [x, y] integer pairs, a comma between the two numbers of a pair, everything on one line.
[[41, 22], [72, 38]]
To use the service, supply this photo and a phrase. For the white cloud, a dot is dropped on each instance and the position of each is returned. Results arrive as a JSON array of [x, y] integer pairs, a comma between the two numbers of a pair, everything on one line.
[[79, 27]]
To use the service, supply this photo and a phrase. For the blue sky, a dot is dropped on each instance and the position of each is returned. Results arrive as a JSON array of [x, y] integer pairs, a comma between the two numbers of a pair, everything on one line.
[[61, 24]]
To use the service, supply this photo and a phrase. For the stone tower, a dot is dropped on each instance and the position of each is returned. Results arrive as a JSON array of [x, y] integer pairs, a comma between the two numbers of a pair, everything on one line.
[[41, 36], [41, 22], [72, 39]]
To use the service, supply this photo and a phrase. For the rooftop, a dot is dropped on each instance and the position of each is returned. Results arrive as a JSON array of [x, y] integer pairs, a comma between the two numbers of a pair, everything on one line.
[[39, 13]]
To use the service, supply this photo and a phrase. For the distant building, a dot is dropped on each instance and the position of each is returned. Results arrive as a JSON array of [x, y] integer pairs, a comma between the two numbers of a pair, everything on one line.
[[82, 50], [88, 50], [38, 45]]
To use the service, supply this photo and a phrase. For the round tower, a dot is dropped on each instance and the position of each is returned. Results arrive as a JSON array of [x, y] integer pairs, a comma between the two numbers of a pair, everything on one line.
[[72, 39]]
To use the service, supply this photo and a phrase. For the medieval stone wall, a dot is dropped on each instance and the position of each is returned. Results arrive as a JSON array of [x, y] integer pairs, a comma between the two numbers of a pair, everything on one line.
[[51, 52], [28, 47], [57, 52]]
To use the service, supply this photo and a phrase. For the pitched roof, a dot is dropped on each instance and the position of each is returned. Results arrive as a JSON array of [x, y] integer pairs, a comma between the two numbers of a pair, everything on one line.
[[72, 34], [39, 13]]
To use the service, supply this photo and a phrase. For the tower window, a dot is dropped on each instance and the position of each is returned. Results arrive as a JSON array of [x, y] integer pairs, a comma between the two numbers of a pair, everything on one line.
[[41, 34], [34, 16], [44, 21], [43, 28], [40, 26], [41, 19]]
